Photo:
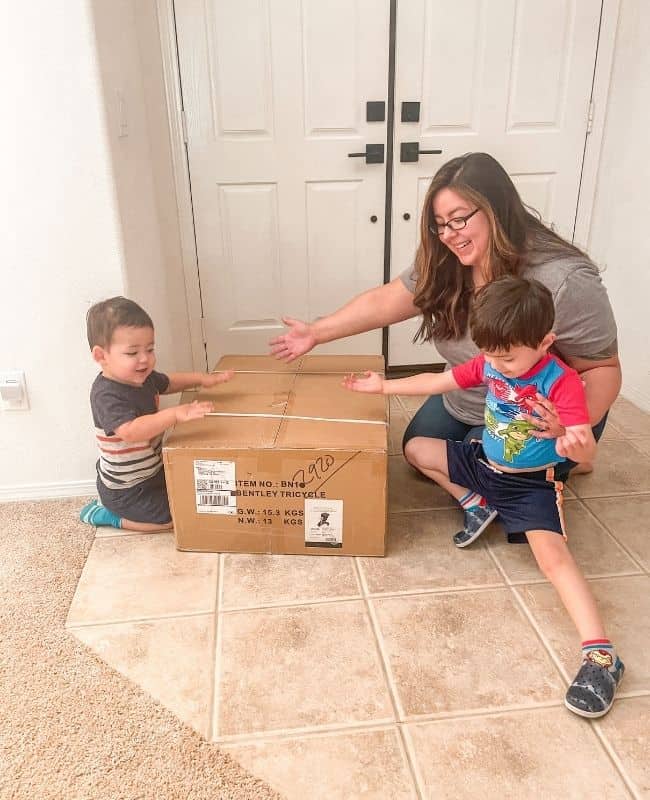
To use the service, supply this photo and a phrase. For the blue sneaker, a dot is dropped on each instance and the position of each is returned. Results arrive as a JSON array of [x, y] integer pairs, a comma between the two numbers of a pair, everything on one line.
[[476, 521], [593, 689]]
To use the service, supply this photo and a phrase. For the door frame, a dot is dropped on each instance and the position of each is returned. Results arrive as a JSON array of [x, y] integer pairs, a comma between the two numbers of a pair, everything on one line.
[[169, 50]]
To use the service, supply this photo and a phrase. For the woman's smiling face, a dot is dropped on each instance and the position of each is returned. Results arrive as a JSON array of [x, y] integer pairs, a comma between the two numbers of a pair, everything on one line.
[[470, 244]]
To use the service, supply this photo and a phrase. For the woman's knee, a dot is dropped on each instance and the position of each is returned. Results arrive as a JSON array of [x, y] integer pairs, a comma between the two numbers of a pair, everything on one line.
[[413, 450]]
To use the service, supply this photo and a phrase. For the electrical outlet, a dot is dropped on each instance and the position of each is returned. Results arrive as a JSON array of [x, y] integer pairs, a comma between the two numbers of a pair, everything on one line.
[[13, 391]]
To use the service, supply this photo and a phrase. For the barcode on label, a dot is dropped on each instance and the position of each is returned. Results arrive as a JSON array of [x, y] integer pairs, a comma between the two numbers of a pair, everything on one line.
[[221, 499]]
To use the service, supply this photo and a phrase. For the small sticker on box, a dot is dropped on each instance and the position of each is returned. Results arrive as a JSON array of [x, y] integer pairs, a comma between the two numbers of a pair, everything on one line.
[[214, 484], [324, 523]]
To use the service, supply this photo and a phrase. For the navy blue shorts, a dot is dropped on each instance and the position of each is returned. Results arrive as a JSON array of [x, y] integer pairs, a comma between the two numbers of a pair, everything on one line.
[[146, 502], [525, 501]]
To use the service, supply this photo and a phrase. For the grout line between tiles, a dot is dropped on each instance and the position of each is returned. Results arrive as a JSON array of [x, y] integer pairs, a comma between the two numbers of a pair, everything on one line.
[[290, 734], [127, 620], [611, 533], [214, 654], [611, 753], [540, 635], [392, 688], [379, 645], [308, 730], [485, 587], [218, 645], [611, 496], [316, 601], [412, 760]]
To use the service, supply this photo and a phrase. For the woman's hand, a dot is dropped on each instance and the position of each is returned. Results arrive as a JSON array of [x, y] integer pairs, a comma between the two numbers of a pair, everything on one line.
[[372, 383], [545, 418], [298, 340]]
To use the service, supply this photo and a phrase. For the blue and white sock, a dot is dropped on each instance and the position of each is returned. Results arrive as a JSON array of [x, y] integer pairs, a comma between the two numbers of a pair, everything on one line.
[[472, 500], [97, 514]]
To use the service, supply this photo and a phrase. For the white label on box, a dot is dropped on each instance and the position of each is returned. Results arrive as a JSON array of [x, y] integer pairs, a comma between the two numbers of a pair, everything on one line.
[[324, 523], [214, 483]]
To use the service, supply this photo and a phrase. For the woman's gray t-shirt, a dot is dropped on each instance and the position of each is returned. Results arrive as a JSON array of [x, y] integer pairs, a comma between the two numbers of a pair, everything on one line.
[[584, 324]]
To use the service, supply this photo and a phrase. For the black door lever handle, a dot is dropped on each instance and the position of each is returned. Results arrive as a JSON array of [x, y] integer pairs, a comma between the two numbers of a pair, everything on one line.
[[410, 151], [374, 154]]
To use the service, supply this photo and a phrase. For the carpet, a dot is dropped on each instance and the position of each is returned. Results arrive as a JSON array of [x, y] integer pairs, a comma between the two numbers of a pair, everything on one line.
[[70, 727]]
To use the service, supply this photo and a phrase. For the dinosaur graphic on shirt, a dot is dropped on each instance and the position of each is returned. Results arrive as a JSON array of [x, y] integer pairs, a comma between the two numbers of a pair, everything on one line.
[[514, 434]]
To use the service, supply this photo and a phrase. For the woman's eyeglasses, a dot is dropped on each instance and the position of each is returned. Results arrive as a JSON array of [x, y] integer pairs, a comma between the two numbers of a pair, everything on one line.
[[455, 224]]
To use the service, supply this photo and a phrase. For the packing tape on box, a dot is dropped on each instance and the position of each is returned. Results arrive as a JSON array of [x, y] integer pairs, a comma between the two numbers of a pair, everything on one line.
[[293, 416]]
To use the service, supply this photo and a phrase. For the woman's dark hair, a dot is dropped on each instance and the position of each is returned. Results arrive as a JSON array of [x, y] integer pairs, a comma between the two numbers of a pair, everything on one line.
[[103, 318], [444, 288], [511, 311]]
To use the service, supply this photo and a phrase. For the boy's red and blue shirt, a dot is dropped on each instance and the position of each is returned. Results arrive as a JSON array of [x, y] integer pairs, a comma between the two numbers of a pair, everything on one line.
[[508, 437]]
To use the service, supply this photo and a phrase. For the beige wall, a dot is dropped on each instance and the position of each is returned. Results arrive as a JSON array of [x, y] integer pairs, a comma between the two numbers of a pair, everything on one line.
[[619, 240]]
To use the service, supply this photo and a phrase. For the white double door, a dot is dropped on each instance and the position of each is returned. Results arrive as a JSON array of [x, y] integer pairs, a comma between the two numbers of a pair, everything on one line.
[[275, 95]]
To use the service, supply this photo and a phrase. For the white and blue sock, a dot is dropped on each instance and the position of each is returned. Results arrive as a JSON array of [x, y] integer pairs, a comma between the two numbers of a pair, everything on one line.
[[472, 500]]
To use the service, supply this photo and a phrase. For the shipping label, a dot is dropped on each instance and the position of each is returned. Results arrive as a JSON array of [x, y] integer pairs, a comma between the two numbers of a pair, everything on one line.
[[215, 487], [324, 523]]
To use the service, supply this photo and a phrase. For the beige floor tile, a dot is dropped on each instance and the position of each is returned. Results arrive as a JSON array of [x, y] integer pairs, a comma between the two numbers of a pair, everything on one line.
[[543, 753], [288, 668], [421, 555], [641, 443], [171, 659], [615, 472], [132, 577], [395, 404], [413, 403], [611, 431], [624, 604], [398, 422], [464, 651], [341, 766], [626, 518], [627, 729], [409, 490], [593, 548], [629, 419], [255, 580]]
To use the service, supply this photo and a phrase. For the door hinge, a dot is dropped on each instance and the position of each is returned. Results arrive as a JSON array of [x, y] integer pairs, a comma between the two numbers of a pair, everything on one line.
[[590, 116], [184, 125]]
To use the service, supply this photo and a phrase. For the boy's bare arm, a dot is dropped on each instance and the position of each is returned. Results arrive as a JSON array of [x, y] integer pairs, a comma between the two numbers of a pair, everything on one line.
[[188, 380], [148, 426], [577, 443], [424, 383]]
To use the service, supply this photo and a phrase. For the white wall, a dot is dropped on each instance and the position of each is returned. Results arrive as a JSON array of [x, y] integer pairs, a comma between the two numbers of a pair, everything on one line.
[[619, 240], [89, 211], [128, 47], [61, 246]]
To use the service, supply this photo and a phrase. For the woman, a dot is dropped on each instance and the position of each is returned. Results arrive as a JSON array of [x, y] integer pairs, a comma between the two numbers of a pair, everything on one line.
[[475, 228]]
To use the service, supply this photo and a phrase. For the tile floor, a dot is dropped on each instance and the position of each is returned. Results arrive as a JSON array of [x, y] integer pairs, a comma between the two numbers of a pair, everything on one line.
[[431, 673]]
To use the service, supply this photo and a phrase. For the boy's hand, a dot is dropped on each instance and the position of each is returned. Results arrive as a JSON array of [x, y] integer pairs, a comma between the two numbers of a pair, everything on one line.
[[573, 443], [213, 378], [371, 383], [195, 410]]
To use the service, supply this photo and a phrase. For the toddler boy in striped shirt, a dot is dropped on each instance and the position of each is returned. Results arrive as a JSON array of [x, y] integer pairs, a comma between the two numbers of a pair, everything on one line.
[[129, 425]]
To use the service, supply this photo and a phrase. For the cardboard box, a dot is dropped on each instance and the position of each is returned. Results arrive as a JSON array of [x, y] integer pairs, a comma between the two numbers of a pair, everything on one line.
[[291, 462]]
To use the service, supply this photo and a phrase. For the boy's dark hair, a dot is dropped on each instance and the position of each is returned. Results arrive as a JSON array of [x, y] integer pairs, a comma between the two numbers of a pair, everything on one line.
[[511, 311], [103, 318]]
